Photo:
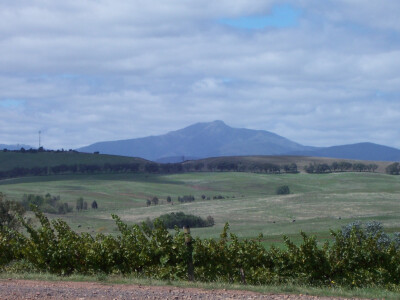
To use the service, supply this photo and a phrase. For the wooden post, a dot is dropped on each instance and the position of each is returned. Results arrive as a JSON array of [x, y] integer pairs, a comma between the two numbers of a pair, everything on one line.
[[189, 247]]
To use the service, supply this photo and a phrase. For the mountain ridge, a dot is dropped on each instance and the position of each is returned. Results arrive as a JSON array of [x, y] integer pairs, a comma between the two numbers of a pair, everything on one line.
[[213, 139]]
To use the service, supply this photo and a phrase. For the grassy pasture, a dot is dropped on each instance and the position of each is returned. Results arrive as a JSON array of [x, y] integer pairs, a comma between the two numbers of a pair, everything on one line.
[[317, 203]]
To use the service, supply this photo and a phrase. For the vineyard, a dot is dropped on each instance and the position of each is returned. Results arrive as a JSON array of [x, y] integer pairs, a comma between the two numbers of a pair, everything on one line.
[[358, 256]]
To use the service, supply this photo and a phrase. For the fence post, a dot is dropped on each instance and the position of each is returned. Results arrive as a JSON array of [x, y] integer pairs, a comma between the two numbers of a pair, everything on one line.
[[189, 248]]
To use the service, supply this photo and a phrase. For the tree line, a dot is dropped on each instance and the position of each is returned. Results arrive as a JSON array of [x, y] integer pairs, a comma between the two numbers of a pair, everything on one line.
[[72, 169], [39, 150], [342, 166]]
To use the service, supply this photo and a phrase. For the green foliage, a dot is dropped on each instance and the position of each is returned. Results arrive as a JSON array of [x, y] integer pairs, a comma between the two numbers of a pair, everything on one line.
[[180, 219], [9, 212], [48, 203], [361, 255], [283, 190], [186, 198], [393, 169], [79, 203], [342, 166]]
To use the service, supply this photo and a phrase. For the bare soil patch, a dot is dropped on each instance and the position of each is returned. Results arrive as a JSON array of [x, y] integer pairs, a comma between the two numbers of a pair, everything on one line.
[[30, 289]]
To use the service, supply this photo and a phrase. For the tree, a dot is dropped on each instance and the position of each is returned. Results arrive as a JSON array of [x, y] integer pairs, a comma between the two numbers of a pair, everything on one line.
[[94, 204], [210, 221], [169, 199], [335, 166], [373, 167], [148, 202], [79, 203], [393, 169], [154, 200], [9, 212]]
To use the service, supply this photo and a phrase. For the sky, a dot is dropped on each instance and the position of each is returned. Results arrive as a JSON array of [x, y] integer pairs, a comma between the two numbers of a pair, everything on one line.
[[320, 73]]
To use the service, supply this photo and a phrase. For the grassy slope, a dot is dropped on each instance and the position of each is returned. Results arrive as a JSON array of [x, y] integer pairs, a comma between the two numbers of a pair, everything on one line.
[[316, 202], [10, 160]]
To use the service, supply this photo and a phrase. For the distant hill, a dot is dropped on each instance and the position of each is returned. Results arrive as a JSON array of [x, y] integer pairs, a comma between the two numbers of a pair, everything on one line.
[[14, 147], [200, 140], [360, 151], [217, 139], [10, 160]]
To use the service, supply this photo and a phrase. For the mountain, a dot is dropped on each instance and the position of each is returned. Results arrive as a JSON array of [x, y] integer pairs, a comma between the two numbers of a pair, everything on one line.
[[200, 140], [216, 139], [360, 151], [14, 147]]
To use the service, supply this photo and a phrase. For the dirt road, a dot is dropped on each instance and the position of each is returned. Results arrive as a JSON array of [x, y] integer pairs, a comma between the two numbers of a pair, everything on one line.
[[29, 289]]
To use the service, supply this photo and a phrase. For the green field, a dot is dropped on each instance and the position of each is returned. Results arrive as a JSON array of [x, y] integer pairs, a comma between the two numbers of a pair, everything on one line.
[[10, 160], [317, 203]]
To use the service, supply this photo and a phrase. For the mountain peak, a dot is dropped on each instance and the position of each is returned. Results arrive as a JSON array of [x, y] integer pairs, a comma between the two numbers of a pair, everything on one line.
[[218, 123]]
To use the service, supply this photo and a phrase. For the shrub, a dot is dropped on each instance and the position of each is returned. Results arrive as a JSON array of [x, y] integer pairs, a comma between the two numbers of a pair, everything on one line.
[[283, 190], [180, 219]]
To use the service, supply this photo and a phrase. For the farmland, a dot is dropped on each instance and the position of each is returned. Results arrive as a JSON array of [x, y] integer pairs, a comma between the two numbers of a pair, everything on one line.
[[316, 204]]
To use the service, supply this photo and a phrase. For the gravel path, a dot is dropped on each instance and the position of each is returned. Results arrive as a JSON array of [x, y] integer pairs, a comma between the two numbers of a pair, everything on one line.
[[29, 289]]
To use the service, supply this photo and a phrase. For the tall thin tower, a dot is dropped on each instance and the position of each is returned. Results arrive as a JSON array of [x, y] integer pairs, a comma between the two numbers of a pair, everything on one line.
[[40, 133]]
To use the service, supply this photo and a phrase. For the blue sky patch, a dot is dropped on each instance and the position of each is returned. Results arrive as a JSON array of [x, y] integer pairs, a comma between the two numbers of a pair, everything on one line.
[[282, 16], [11, 103]]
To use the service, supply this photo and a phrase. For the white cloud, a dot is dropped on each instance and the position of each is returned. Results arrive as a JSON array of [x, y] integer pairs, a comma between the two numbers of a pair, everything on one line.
[[89, 71]]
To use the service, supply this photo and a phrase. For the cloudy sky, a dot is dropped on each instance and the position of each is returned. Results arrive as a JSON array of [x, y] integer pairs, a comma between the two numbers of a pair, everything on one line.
[[318, 72]]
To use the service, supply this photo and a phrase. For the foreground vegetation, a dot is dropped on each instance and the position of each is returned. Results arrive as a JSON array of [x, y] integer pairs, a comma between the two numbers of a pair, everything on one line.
[[359, 255]]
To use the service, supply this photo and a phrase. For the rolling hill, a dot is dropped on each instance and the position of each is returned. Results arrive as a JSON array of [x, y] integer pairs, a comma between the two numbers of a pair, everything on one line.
[[360, 151], [10, 160]]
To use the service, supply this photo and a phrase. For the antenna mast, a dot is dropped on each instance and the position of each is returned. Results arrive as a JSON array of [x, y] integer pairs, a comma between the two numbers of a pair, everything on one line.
[[40, 132]]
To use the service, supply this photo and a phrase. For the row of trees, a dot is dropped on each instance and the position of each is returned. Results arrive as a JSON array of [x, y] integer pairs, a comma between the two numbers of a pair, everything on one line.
[[72, 169], [224, 166], [184, 199], [81, 204], [358, 255], [52, 204], [41, 149], [342, 166], [148, 168]]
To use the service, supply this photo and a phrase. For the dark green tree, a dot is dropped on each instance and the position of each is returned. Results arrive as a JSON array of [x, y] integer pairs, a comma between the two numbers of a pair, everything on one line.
[[94, 204], [79, 203], [9, 211], [154, 200]]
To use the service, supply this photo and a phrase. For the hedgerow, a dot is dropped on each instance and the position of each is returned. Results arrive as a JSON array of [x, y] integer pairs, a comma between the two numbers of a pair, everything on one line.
[[358, 255]]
